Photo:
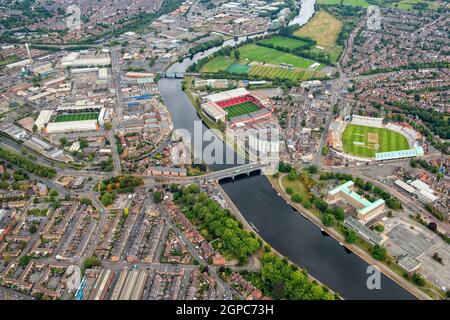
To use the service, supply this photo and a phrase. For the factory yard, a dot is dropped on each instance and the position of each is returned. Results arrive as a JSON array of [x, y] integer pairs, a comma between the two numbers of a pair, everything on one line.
[[365, 141]]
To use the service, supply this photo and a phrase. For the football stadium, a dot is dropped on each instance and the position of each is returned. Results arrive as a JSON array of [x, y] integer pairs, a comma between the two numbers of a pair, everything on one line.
[[370, 138], [237, 107], [71, 119]]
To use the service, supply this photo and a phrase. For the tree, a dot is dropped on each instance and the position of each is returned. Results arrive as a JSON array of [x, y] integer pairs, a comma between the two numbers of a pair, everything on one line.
[[86, 202], [64, 142], [379, 253], [157, 197], [35, 128], [339, 213], [289, 190], [418, 279], [91, 262], [312, 169], [237, 55], [108, 126], [24, 260], [292, 176], [53, 193], [32, 229], [350, 236], [328, 220], [296, 198]]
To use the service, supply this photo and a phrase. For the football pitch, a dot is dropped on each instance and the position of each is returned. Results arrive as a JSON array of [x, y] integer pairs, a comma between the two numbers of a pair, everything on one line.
[[77, 117], [365, 141], [240, 109]]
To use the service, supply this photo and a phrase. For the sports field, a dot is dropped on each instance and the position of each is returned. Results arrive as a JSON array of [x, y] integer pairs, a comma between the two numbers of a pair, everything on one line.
[[283, 42], [278, 73], [77, 117], [240, 109], [217, 64], [365, 141], [253, 52], [238, 68]]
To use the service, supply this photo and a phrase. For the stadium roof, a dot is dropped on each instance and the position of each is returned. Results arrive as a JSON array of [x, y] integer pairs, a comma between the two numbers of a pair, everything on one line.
[[416, 152], [213, 110], [230, 94], [43, 118], [66, 126]]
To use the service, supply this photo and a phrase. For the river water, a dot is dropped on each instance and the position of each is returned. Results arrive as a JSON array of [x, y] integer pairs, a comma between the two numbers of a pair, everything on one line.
[[278, 224]]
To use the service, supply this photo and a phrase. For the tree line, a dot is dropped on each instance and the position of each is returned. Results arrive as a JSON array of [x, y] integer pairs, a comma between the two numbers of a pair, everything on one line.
[[216, 222]]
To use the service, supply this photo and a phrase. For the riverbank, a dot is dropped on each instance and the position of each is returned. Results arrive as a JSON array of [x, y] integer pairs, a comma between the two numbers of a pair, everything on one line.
[[248, 227], [276, 184]]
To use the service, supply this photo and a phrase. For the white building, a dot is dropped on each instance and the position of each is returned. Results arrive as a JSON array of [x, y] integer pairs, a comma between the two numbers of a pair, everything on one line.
[[71, 126], [43, 118]]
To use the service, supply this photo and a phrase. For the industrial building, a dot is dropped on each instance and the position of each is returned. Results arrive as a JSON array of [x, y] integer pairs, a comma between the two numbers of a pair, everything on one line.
[[366, 210], [419, 188], [74, 59]]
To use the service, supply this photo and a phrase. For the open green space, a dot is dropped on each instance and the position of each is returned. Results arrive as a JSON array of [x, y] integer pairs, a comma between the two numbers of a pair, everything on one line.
[[279, 73], [219, 63], [365, 141], [238, 68], [253, 52], [283, 42], [324, 28], [240, 109], [77, 117]]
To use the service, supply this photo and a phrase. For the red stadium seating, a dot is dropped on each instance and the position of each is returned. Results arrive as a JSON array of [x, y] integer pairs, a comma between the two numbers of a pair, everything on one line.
[[237, 100]]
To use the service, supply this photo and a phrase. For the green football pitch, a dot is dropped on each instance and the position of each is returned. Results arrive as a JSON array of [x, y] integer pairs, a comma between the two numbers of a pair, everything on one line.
[[77, 117], [240, 109], [365, 141]]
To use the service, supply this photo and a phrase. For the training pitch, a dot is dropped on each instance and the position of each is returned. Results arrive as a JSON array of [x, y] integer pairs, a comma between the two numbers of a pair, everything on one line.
[[365, 141], [77, 117], [240, 109]]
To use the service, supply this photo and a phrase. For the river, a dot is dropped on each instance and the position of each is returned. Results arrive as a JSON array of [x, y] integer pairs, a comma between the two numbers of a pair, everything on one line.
[[285, 230]]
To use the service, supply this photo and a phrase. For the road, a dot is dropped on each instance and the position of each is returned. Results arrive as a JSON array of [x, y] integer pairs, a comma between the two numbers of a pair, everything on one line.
[[119, 108]]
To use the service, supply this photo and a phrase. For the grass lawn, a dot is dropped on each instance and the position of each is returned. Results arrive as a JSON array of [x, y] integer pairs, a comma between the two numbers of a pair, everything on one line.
[[329, 2], [77, 117], [240, 109], [356, 3], [253, 52], [366, 141], [408, 4], [278, 73], [323, 27], [238, 68], [217, 64], [283, 42]]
